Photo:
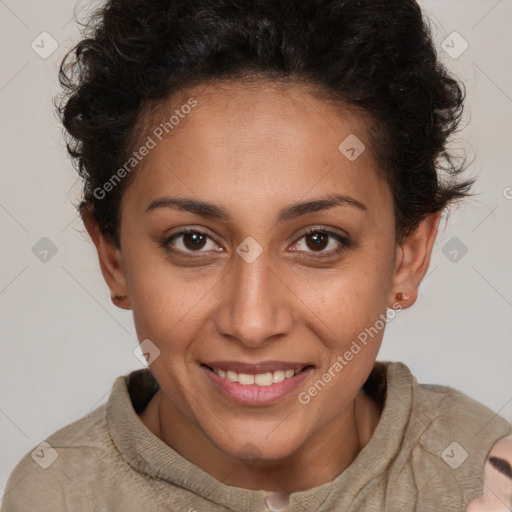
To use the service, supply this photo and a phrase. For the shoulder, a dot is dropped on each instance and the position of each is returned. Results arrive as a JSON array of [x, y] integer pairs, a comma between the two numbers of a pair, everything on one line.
[[497, 489], [446, 398], [450, 421], [435, 405], [453, 410], [49, 474], [448, 439]]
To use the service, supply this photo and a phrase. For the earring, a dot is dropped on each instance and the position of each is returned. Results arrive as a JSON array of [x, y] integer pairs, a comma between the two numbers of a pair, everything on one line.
[[117, 298], [401, 296]]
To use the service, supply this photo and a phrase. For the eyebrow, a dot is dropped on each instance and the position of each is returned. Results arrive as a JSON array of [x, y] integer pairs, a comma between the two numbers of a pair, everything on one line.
[[214, 211]]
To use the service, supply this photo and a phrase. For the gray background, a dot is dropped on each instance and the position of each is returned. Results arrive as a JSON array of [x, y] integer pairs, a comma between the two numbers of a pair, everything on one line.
[[63, 343]]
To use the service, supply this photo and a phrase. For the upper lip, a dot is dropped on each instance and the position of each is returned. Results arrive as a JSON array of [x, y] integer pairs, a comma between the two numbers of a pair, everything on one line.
[[255, 368]]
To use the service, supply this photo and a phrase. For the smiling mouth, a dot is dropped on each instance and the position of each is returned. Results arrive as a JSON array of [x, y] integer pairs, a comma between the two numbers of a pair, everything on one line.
[[260, 379]]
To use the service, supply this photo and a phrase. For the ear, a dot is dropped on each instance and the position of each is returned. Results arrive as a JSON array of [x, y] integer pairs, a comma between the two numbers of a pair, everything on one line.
[[110, 259], [413, 259]]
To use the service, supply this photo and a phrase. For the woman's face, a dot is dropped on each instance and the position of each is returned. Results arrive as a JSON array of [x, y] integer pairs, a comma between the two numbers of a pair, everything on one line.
[[249, 285]]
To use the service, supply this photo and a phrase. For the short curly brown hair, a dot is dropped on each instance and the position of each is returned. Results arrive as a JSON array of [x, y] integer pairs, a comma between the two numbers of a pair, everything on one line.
[[376, 56]]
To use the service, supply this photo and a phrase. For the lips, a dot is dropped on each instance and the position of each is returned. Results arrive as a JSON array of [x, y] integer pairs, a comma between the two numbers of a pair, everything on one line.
[[256, 368], [256, 385]]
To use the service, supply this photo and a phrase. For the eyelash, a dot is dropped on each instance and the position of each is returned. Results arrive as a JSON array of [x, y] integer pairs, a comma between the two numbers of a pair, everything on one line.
[[345, 242]]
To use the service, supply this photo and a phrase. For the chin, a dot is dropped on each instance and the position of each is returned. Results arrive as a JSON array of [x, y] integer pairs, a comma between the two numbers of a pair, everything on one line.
[[252, 449]]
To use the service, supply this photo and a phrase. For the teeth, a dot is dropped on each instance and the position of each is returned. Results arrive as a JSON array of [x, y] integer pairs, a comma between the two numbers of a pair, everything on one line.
[[245, 378], [232, 376], [279, 376], [261, 379]]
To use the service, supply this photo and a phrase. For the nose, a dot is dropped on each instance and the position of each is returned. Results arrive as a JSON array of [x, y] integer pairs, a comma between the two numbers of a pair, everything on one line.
[[256, 304]]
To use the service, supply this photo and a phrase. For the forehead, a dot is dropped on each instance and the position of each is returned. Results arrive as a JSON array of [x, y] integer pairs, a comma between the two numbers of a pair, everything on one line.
[[245, 142]]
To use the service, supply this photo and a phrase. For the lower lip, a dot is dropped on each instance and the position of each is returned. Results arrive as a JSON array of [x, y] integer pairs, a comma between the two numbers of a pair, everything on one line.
[[252, 394]]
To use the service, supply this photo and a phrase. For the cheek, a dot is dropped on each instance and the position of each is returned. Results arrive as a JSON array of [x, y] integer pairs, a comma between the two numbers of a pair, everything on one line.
[[349, 326], [169, 304], [349, 298], [349, 317]]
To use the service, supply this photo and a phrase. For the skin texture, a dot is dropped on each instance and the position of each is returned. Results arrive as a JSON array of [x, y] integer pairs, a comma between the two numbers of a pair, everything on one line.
[[254, 149], [497, 489]]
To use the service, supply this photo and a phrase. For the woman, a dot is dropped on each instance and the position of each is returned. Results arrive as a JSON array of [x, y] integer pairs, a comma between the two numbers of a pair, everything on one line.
[[263, 182]]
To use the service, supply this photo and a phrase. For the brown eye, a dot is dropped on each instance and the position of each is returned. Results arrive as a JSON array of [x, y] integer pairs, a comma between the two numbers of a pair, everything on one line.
[[189, 241], [319, 240], [194, 240]]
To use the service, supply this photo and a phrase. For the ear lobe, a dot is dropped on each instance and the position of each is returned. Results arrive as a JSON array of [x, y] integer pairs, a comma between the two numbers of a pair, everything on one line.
[[109, 257], [413, 259]]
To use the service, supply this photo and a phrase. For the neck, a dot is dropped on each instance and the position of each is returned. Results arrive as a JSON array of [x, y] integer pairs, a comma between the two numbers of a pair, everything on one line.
[[324, 455]]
